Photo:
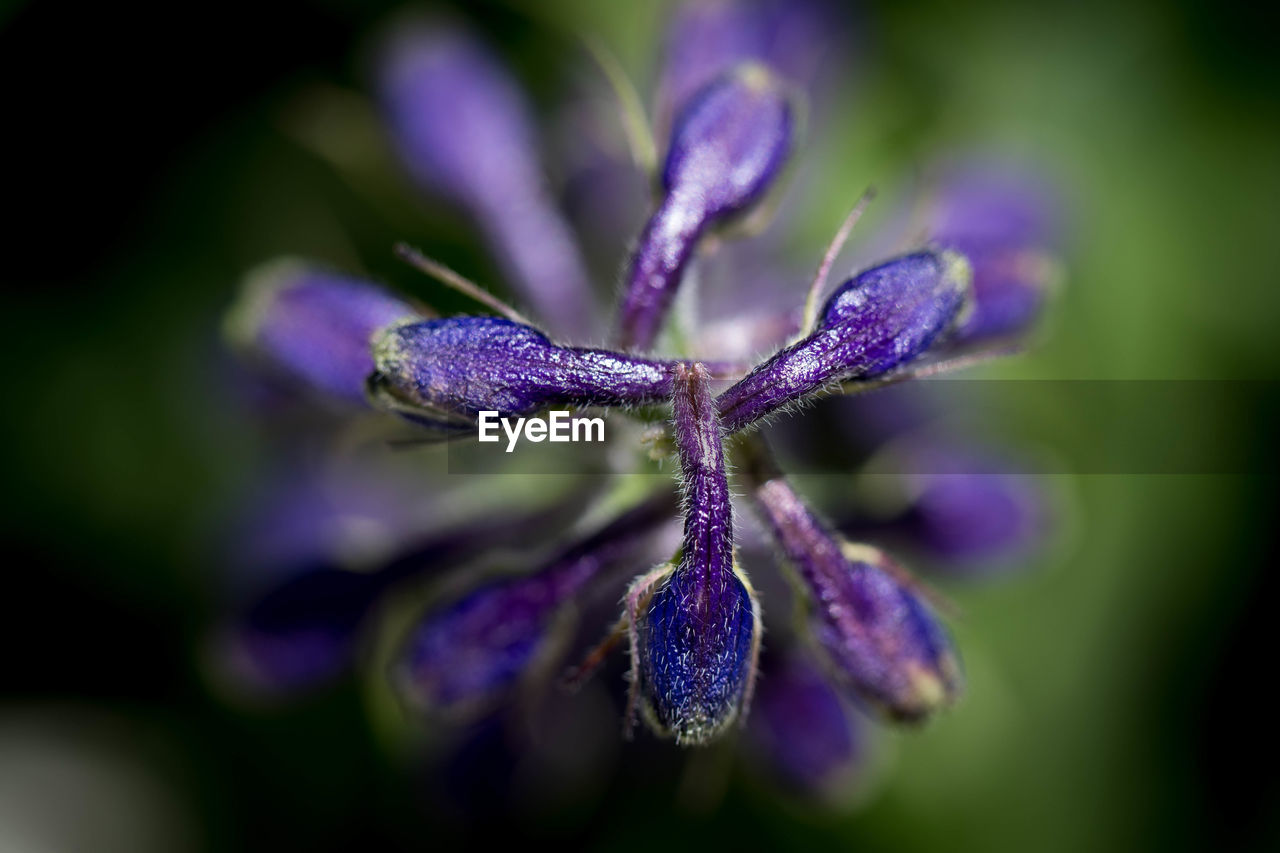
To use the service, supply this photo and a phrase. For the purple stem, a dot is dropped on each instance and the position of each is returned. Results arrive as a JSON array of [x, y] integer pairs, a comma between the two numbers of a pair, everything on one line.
[[666, 245], [708, 527]]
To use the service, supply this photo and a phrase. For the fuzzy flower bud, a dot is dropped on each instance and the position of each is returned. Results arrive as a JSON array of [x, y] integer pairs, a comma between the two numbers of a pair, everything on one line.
[[465, 656], [728, 145], [462, 128], [695, 626], [443, 373], [875, 633], [877, 321], [312, 326]]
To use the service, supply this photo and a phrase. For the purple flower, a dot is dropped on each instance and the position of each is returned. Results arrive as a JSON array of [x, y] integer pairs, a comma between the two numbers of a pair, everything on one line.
[[809, 742], [1004, 222], [312, 326], [873, 630], [877, 321], [728, 145], [443, 373], [969, 510], [465, 656], [316, 545], [303, 626], [695, 625], [462, 128], [705, 38]]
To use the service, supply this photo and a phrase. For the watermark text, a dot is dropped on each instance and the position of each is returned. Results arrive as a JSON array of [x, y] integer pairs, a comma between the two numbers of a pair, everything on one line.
[[558, 427]]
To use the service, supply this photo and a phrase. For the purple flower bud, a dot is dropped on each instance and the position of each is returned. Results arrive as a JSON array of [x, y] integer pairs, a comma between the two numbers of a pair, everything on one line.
[[877, 321], [695, 627], [466, 656], [462, 128], [873, 630], [800, 728], [313, 551], [312, 326], [728, 145], [1005, 223], [969, 511], [705, 38], [443, 373]]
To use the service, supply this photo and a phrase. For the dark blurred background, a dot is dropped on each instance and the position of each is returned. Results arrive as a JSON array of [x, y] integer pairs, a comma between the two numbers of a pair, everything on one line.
[[1119, 689]]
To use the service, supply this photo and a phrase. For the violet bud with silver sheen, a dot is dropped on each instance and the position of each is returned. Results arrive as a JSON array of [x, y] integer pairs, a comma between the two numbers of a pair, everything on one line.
[[728, 145], [443, 373], [877, 321], [874, 631], [695, 626]]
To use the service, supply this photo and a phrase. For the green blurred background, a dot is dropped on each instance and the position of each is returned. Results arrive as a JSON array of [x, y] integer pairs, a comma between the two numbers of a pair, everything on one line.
[[1117, 689]]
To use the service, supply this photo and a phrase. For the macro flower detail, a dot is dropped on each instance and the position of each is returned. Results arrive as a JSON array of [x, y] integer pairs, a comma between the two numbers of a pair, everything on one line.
[[879, 320], [967, 284], [465, 656], [462, 128], [875, 632], [311, 326], [967, 510], [443, 373], [1002, 222], [695, 624], [307, 627], [728, 145], [706, 38]]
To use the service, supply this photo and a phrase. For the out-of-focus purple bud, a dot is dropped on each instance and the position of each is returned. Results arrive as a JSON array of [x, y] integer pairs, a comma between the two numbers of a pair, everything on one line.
[[1006, 223], [728, 145], [297, 517], [877, 321], [465, 656], [303, 632], [969, 510], [312, 326], [462, 128], [319, 555], [696, 626], [800, 727], [443, 373], [875, 633], [705, 38]]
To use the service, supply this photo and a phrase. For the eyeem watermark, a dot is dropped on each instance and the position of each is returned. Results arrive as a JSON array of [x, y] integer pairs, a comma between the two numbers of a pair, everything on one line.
[[559, 427]]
